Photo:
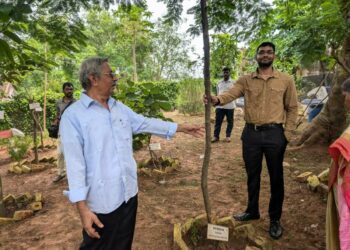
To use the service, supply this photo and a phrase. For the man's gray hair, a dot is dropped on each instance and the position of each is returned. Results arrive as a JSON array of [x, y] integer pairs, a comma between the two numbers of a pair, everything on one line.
[[90, 66]]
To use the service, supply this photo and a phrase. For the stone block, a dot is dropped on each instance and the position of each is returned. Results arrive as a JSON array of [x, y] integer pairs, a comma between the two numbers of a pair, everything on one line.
[[38, 197], [246, 231], [22, 214], [303, 177], [262, 243], [9, 199], [187, 225], [26, 169], [23, 199], [313, 182], [201, 219], [252, 248], [4, 220], [36, 206], [323, 176], [38, 167], [226, 221], [17, 170], [178, 237]]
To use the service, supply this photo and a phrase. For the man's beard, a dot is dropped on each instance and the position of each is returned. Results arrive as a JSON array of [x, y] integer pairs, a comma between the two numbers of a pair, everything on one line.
[[265, 64]]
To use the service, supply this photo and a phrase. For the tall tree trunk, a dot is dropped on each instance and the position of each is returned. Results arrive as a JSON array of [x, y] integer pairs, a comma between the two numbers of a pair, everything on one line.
[[135, 77], [45, 91], [331, 121], [204, 178], [2, 207]]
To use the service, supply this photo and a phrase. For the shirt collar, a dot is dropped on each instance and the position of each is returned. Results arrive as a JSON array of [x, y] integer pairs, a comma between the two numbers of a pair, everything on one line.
[[87, 100], [229, 80], [275, 73]]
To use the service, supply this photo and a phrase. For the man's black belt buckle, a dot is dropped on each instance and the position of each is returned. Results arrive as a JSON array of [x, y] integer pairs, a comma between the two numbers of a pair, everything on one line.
[[263, 126]]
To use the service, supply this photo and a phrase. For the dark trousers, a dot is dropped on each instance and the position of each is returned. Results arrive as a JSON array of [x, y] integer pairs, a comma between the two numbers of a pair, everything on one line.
[[219, 117], [118, 230], [271, 143]]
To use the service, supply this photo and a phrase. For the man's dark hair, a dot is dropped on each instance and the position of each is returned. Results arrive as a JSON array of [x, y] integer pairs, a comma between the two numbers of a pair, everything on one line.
[[226, 68], [67, 84], [346, 85], [264, 44]]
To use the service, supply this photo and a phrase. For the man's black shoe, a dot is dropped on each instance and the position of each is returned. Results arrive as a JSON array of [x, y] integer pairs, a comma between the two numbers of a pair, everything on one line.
[[275, 230], [246, 216]]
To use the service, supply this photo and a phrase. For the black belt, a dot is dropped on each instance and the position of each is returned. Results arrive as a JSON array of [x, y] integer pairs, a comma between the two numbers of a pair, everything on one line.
[[263, 126]]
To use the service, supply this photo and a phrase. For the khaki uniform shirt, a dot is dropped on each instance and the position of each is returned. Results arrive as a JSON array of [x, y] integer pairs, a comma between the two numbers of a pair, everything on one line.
[[61, 105], [266, 101]]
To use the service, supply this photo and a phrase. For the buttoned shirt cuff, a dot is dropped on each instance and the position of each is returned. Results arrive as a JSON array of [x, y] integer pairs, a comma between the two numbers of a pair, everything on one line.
[[172, 130], [76, 195]]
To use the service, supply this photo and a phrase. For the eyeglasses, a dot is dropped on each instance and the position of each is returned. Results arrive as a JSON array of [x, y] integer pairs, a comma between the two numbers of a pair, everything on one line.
[[111, 74], [263, 52]]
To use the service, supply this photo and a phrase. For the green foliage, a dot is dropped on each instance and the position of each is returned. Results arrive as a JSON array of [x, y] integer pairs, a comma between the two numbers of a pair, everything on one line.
[[238, 17], [190, 96], [195, 233], [23, 23], [18, 115], [305, 32], [224, 52], [18, 147], [147, 98], [169, 57]]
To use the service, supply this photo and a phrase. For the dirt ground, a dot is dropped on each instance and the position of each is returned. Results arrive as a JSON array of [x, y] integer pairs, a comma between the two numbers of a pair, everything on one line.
[[179, 197]]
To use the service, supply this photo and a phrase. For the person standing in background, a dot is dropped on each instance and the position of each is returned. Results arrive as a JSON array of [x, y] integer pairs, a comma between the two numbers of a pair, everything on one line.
[[224, 110]]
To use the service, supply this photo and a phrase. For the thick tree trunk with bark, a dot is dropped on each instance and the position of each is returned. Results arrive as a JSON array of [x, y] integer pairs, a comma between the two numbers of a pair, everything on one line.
[[331, 121]]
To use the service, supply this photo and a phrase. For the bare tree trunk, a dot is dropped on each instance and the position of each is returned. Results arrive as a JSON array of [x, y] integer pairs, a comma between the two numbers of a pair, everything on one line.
[[331, 121], [2, 207], [36, 156], [204, 178], [135, 76], [45, 91]]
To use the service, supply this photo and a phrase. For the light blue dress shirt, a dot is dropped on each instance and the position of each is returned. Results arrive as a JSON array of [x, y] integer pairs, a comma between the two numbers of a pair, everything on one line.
[[97, 146]]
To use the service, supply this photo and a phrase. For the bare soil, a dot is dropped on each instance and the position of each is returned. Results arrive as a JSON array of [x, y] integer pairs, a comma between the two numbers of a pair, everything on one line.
[[176, 197]]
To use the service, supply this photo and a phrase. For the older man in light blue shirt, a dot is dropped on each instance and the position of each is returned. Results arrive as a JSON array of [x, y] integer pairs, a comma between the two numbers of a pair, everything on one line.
[[96, 134]]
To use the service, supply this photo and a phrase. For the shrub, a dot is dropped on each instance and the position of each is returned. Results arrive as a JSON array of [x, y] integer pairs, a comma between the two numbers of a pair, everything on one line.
[[18, 147], [18, 115], [146, 98], [190, 96]]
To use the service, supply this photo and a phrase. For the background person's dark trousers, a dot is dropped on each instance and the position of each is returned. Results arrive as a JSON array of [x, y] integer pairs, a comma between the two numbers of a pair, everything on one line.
[[219, 117], [272, 143], [118, 230]]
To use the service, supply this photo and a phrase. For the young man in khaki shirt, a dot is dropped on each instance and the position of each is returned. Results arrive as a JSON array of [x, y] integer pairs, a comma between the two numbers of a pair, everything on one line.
[[270, 101]]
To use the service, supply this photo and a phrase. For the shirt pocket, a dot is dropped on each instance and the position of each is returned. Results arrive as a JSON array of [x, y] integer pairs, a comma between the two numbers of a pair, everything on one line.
[[252, 97], [124, 131], [276, 94]]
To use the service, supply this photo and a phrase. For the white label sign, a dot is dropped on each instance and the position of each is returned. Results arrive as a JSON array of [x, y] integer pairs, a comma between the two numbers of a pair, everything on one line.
[[38, 109], [2, 113], [216, 232], [155, 146], [34, 105]]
